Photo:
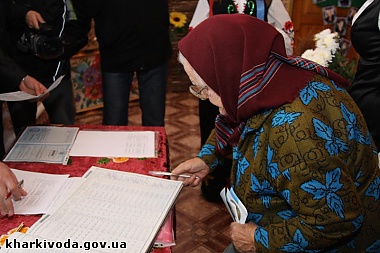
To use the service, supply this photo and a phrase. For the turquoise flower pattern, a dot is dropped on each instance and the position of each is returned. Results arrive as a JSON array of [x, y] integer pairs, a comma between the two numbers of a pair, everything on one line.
[[272, 167], [207, 149], [283, 117], [254, 217], [299, 244], [374, 189], [307, 172], [255, 146], [261, 236], [333, 144], [265, 190], [327, 191], [310, 91], [374, 248], [352, 129]]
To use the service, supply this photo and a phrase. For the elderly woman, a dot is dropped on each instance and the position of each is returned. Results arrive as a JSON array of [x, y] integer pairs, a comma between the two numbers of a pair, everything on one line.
[[304, 164]]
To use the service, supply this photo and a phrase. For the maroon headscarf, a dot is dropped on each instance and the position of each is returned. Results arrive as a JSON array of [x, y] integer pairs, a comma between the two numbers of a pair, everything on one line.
[[243, 59]]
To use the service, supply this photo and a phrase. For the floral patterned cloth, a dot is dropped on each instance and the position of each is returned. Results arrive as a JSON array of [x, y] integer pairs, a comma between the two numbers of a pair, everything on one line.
[[308, 174]]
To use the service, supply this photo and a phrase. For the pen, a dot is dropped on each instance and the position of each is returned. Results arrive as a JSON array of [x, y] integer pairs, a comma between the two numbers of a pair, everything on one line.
[[163, 173], [18, 185]]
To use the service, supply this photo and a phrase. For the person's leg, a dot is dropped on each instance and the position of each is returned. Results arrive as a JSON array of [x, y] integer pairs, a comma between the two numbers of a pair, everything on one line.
[[116, 89], [23, 114], [60, 103], [152, 91]]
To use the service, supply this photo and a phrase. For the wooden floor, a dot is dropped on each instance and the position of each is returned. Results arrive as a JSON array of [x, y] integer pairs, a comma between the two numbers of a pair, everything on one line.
[[201, 226]]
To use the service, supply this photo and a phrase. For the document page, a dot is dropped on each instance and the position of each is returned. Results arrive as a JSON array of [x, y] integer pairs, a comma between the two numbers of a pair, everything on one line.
[[21, 95], [42, 190], [234, 205], [47, 144], [114, 207], [132, 144]]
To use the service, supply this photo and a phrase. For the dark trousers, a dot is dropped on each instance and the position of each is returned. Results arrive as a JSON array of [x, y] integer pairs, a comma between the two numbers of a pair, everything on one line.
[[152, 94]]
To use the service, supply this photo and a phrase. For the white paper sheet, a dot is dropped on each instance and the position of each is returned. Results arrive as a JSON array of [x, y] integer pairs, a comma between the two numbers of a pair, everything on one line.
[[21, 95], [42, 189], [137, 144], [234, 205]]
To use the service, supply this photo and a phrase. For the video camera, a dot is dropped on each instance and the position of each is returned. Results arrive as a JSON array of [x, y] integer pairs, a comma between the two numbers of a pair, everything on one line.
[[41, 42]]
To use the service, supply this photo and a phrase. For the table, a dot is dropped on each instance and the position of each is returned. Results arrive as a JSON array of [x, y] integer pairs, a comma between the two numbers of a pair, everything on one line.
[[77, 166]]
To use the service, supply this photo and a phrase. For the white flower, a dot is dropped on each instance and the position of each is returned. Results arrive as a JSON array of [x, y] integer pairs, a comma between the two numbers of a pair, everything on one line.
[[326, 45], [322, 34]]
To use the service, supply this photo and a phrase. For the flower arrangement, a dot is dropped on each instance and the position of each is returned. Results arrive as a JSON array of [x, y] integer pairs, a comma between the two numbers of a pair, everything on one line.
[[328, 53], [178, 21]]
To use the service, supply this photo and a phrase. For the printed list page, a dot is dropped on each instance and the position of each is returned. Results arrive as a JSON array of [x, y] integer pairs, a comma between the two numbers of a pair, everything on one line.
[[113, 206]]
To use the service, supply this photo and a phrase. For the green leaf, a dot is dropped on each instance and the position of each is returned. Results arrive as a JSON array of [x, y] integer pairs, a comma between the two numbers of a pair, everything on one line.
[[104, 160], [341, 65]]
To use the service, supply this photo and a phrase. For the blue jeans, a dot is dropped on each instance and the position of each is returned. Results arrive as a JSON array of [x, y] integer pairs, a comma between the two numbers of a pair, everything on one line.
[[60, 103], [152, 93]]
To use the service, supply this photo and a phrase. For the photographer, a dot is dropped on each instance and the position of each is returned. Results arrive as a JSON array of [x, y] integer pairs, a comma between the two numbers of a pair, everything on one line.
[[12, 77], [44, 35]]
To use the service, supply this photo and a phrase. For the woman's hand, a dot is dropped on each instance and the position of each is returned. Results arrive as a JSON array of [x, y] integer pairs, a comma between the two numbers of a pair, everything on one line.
[[195, 167], [242, 236]]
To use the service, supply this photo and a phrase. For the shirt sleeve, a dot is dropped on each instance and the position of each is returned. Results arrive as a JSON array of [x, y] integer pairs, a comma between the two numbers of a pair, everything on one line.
[[208, 154], [279, 17], [202, 12], [11, 74], [18, 10]]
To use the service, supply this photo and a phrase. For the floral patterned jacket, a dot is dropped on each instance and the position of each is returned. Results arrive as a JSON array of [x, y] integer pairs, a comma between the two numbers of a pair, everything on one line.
[[308, 174]]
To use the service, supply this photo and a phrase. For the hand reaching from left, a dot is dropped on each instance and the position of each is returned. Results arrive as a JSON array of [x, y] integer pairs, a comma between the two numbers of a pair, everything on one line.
[[8, 182]]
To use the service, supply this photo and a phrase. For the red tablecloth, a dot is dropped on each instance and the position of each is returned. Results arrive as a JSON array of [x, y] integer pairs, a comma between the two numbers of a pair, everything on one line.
[[77, 166]]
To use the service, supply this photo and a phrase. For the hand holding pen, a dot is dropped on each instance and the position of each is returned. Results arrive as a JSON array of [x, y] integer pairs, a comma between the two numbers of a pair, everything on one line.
[[19, 184], [195, 168], [9, 186], [164, 173]]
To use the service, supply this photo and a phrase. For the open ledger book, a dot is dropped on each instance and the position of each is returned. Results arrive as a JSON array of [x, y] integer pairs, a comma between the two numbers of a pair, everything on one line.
[[112, 211]]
